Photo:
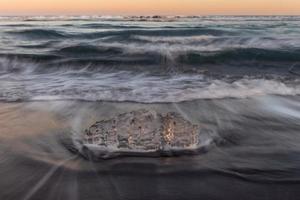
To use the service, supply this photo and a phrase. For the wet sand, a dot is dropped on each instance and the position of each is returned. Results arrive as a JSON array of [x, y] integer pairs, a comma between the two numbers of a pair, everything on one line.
[[258, 160]]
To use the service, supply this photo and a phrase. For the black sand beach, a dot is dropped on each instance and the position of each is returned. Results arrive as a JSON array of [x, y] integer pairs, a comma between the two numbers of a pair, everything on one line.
[[257, 160]]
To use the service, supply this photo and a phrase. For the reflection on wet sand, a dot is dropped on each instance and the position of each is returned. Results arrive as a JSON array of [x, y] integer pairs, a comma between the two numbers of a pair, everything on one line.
[[259, 155], [16, 121]]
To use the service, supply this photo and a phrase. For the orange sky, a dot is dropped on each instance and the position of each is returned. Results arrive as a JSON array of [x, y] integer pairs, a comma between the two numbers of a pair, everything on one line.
[[123, 7]]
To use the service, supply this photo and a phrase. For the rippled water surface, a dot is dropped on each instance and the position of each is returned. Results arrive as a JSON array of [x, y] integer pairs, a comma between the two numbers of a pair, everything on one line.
[[164, 59]]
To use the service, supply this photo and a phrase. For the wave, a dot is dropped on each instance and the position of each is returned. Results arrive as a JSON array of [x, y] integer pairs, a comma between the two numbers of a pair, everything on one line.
[[242, 55], [175, 58], [85, 49], [126, 26], [157, 32], [173, 93], [107, 26], [18, 25], [41, 45], [211, 44], [87, 83], [129, 57], [52, 34], [39, 33]]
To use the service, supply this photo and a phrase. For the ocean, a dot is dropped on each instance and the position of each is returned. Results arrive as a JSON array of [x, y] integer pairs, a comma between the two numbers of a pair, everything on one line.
[[237, 76]]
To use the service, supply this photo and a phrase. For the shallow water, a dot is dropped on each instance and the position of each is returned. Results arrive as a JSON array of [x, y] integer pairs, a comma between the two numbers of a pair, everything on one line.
[[257, 160]]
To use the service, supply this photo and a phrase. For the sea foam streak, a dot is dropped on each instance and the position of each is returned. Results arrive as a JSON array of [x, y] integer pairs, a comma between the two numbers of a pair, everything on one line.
[[147, 58]]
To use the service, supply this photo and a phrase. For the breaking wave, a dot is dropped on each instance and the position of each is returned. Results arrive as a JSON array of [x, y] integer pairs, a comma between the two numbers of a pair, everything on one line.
[[148, 58]]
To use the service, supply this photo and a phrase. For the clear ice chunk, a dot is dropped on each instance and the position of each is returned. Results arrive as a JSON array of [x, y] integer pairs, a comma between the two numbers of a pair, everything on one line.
[[142, 132]]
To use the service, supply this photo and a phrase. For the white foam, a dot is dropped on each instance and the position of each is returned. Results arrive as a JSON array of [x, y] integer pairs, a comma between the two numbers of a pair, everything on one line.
[[142, 88]]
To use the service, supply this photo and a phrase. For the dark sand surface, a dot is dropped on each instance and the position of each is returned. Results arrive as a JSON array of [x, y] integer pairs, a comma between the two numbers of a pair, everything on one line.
[[259, 158]]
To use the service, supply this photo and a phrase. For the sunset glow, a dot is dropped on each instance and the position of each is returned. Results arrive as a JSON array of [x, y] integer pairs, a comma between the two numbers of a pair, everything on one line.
[[123, 7]]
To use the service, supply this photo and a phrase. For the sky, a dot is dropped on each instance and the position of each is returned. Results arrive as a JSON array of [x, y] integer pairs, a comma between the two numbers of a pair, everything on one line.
[[150, 7]]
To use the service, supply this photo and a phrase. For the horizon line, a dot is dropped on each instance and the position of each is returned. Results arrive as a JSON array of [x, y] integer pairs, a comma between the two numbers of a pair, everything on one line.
[[141, 15]]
